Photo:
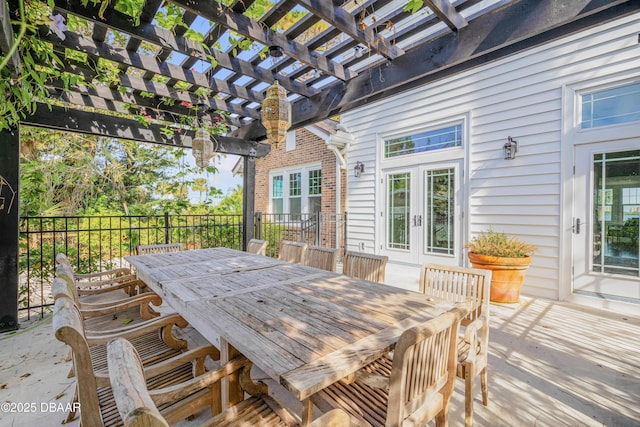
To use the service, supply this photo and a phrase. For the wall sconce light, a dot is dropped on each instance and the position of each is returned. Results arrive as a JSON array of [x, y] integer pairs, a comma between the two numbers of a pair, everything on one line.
[[358, 169], [510, 149]]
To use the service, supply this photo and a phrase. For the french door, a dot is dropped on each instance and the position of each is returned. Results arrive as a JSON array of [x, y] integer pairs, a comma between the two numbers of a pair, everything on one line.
[[606, 225], [422, 212]]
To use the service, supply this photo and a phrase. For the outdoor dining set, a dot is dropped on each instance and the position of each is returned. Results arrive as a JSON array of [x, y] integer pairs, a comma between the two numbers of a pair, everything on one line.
[[343, 344]]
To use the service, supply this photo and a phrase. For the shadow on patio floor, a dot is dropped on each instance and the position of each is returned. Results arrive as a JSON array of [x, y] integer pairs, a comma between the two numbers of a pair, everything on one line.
[[551, 364]]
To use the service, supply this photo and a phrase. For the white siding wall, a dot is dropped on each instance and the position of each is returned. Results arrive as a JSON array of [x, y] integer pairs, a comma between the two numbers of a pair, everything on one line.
[[521, 97]]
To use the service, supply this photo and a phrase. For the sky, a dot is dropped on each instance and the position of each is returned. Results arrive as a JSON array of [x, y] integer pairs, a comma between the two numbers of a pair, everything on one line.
[[224, 180]]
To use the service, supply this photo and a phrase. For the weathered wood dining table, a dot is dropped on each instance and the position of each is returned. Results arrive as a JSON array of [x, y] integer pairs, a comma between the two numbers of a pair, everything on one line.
[[306, 328]]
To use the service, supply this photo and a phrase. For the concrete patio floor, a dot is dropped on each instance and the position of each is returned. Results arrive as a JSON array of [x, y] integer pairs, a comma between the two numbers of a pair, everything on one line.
[[551, 364]]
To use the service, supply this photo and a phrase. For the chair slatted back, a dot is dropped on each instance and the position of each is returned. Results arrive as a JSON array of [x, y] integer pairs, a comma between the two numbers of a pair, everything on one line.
[[424, 367], [324, 258], [161, 248], [458, 284], [292, 251], [256, 246], [65, 284], [365, 266], [69, 329]]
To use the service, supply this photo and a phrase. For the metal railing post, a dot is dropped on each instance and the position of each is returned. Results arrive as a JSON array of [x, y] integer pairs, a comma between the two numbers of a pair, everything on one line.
[[166, 227], [258, 225]]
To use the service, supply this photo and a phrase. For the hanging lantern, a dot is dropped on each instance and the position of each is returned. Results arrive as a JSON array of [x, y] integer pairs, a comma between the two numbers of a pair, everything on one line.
[[202, 148], [276, 114]]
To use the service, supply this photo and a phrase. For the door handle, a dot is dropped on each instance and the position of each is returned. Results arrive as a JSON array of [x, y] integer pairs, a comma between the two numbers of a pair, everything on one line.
[[417, 220], [576, 227]]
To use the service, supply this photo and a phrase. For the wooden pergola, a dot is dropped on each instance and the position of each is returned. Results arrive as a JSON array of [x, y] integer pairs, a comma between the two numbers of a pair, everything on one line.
[[337, 55]]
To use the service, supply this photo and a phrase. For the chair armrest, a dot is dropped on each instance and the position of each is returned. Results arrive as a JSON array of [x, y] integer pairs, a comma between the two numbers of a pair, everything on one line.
[[103, 337], [115, 272], [101, 288], [471, 336], [333, 418], [89, 310], [176, 392], [197, 354], [105, 282]]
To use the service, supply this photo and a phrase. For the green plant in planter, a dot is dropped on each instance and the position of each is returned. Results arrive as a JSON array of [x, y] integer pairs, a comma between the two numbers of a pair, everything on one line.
[[507, 257], [495, 243]]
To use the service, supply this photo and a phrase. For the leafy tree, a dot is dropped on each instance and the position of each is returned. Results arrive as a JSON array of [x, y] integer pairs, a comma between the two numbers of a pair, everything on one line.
[[231, 204], [70, 174]]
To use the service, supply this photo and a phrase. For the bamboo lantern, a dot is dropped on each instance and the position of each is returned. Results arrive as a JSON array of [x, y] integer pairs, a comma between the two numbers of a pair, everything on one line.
[[276, 114], [202, 148]]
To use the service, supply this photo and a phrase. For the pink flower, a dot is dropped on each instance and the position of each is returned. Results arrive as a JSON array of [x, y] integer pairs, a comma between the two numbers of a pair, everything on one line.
[[186, 104]]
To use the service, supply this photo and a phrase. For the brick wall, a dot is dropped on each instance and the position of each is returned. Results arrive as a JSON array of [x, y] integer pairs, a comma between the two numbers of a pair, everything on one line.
[[309, 148]]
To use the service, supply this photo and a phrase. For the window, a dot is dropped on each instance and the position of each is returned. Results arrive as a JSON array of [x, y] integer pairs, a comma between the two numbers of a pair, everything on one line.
[[295, 195], [296, 191], [277, 199], [611, 106], [315, 191], [433, 139]]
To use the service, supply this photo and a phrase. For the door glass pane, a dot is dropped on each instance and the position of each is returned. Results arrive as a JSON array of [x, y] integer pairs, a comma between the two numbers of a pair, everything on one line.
[[616, 210], [398, 210], [439, 211]]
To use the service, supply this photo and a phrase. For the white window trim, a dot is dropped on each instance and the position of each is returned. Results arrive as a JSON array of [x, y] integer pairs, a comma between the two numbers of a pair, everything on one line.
[[573, 112], [304, 171]]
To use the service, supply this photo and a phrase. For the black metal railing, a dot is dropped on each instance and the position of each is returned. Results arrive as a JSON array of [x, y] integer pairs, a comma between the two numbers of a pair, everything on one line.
[[98, 243], [95, 243], [320, 229]]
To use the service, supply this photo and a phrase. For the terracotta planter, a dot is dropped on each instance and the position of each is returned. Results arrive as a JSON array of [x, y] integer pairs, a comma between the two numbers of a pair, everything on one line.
[[506, 277]]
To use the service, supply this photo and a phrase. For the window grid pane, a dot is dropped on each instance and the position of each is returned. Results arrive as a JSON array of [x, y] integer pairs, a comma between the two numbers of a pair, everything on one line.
[[295, 184], [315, 182], [399, 208], [277, 186], [611, 106], [440, 217], [447, 137]]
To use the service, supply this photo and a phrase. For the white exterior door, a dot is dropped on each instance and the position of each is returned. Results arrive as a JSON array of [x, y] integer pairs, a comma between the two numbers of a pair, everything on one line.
[[606, 209], [422, 213]]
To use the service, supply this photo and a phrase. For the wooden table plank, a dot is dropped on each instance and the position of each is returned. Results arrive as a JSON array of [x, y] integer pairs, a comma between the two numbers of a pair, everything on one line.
[[312, 377]]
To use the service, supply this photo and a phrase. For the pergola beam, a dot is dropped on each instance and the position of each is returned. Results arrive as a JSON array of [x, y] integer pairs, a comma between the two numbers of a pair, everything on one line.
[[164, 38], [447, 13], [95, 123], [505, 31], [346, 23], [149, 64], [254, 30]]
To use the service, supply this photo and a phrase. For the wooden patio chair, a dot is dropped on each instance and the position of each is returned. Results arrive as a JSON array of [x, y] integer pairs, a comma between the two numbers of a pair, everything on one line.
[[165, 359], [108, 314], [319, 257], [93, 285], [472, 285], [256, 246], [414, 389], [365, 266], [292, 251], [138, 406], [159, 248]]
